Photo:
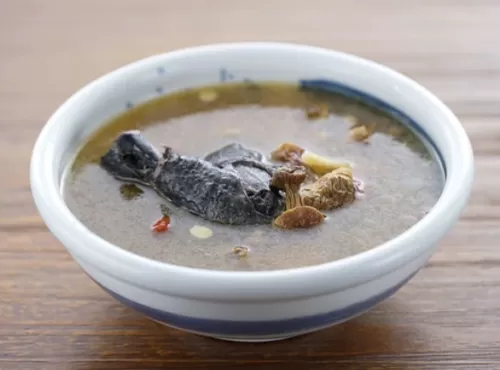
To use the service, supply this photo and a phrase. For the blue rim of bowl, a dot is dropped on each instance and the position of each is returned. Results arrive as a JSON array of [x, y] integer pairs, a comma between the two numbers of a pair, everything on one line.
[[218, 327], [370, 100]]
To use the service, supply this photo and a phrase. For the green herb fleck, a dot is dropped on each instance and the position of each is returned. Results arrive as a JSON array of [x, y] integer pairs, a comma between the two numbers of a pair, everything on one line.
[[165, 211], [317, 111], [240, 251], [130, 191]]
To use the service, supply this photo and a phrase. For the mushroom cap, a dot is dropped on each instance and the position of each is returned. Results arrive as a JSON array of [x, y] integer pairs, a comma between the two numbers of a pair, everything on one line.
[[286, 152], [330, 191], [288, 175], [343, 171], [301, 217]]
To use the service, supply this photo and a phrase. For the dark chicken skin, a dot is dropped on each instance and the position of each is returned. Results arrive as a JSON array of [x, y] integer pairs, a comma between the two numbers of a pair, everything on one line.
[[230, 186]]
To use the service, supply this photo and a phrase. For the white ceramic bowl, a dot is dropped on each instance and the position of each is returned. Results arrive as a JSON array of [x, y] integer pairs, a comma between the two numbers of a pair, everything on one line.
[[250, 306]]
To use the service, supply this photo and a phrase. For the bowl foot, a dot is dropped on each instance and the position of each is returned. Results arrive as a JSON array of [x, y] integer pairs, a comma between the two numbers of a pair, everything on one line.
[[254, 340], [236, 339]]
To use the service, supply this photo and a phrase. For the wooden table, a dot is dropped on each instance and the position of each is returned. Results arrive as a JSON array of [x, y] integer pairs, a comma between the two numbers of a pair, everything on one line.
[[53, 317]]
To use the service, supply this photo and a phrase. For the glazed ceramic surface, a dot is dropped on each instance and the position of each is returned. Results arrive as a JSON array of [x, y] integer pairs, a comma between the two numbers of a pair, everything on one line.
[[251, 306]]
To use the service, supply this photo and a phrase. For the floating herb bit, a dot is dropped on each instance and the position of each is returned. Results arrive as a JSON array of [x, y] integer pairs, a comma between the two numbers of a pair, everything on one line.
[[317, 111], [201, 232], [165, 211], [360, 133], [240, 251], [161, 225], [130, 191], [208, 95]]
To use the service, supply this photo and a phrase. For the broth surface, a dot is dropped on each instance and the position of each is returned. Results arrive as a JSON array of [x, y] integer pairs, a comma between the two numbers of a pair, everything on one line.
[[402, 180]]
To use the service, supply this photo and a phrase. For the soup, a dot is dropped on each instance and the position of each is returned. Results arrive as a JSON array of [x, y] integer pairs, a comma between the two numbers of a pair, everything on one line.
[[221, 195]]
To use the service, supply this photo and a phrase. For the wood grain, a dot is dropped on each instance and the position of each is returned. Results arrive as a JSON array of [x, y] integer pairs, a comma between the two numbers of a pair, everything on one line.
[[53, 317]]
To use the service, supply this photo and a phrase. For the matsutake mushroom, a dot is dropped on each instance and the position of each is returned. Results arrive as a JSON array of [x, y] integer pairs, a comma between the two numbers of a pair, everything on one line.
[[330, 191], [296, 215]]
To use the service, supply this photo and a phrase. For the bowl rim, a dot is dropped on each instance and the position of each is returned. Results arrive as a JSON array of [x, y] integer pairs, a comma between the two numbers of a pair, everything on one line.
[[220, 284]]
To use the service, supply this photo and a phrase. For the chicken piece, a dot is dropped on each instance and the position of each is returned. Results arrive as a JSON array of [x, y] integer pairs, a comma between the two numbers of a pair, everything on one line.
[[330, 191], [229, 186]]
